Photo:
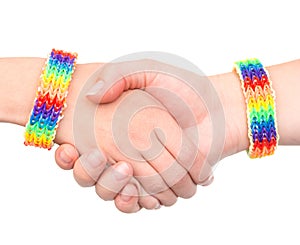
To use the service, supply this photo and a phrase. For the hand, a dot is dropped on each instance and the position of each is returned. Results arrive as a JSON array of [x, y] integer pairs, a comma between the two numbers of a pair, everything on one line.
[[214, 105], [166, 197], [144, 80], [127, 199]]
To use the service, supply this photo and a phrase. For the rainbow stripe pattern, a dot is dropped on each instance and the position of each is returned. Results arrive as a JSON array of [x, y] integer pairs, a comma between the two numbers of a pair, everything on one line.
[[50, 99], [260, 100]]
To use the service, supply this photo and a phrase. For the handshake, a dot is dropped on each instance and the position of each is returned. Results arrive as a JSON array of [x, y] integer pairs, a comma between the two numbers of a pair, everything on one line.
[[145, 132]]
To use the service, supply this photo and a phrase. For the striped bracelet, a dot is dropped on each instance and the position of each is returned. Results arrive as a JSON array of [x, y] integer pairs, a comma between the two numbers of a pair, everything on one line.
[[260, 101], [50, 99]]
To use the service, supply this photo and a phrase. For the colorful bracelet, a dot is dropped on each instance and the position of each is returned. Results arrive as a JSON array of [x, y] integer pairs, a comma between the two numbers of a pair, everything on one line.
[[260, 100], [50, 99]]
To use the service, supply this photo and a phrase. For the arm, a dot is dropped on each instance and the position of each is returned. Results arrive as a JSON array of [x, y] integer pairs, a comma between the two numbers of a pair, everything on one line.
[[285, 78], [19, 79], [228, 87], [18, 85]]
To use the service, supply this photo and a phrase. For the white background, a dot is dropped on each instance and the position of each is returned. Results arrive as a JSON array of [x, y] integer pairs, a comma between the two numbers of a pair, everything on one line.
[[250, 202]]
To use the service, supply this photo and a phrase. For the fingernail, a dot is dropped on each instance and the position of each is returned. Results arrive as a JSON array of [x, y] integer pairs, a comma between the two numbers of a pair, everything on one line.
[[121, 171], [65, 156], [96, 88], [127, 193], [206, 172], [94, 158], [93, 163], [208, 181], [157, 206]]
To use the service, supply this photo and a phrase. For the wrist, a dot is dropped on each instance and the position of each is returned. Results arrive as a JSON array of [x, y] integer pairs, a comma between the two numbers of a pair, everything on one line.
[[75, 95], [228, 88], [18, 86]]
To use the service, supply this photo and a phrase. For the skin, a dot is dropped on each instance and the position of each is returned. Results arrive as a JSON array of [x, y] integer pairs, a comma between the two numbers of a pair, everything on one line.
[[285, 79], [127, 192], [23, 75]]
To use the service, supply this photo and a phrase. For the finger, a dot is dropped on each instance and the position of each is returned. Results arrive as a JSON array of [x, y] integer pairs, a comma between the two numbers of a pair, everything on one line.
[[115, 78], [149, 202], [89, 167], [166, 144], [97, 93], [191, 158], [132, 148], [127, 200], [113, 180], [176, 177], [65, 156], [145, 200]]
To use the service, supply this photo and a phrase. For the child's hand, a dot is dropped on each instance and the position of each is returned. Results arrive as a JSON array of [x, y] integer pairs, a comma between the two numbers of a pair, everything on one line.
[[127, 128], [144, 162], [123, 189], [201, 120], [210, 110]]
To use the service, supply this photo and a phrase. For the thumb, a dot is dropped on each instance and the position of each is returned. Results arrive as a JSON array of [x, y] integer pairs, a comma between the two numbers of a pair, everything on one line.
[[115, 78], [99, 94]]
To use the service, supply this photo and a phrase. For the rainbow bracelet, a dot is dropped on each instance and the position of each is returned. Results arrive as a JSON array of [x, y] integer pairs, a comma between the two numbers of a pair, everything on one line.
[[260, 101], [50, 99]]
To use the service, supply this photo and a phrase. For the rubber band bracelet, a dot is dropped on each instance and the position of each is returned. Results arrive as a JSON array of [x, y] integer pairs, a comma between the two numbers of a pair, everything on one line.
[[50, 99], [260, 101]]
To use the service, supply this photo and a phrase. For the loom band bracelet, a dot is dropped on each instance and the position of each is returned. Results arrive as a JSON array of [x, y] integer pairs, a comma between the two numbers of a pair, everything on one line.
[[52, 94], [63, 87], [28, 138], [58, 105], [253, 73], [259, 91], [49, 134], [43, 122], [52, 124], [56, 71], [55, 117], [39, 102], [56, 114], [260, 101], [270, 100], [42, 139], [56, 111], [37, 135], [263, 104], [56, 83], [46, 77], [37, 109], [257, 114], [34, 119], [47, 143], [50, 104], [252, 105], [259, 72], [41, 97], [45, 86], [265, 79], [61, 99], [47, 112], [30, 128]]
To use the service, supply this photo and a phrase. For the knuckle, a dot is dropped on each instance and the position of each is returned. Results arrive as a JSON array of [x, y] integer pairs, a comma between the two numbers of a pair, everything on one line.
[[104, 193]]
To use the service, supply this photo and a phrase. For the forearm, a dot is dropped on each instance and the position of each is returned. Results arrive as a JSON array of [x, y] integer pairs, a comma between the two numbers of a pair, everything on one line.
[[19, 80], [18, 84]]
